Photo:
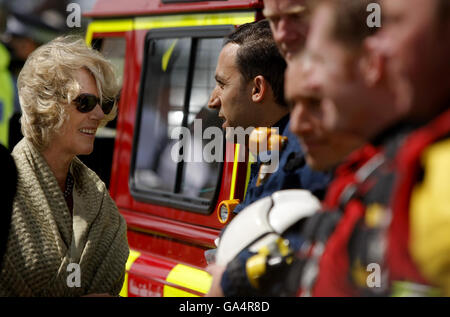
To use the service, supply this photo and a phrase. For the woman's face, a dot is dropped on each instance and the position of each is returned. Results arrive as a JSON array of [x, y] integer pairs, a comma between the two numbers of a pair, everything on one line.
[[78, 132]]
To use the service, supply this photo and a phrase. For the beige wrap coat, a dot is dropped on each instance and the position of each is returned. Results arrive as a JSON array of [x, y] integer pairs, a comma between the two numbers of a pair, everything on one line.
[[45, 238]]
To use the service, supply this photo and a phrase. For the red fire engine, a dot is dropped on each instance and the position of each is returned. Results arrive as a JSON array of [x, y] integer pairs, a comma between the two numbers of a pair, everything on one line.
[[166, 53]]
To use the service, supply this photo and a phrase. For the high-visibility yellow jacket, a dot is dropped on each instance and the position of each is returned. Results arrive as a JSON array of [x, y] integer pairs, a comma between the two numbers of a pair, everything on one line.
[[6, 95]]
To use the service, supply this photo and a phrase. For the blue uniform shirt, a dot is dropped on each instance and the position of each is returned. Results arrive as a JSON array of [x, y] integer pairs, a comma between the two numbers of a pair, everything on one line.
[[292, 173]]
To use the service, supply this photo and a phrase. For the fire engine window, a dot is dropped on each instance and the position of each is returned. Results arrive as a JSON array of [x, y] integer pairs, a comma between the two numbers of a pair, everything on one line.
[[169, 160], [162, 111], [200, 178]]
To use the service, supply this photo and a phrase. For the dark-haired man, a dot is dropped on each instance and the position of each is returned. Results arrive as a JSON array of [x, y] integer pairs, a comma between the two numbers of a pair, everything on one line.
[[250, 93]]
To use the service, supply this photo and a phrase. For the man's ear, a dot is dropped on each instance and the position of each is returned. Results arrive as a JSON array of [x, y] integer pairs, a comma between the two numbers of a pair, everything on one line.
[[259, 89], [371, 64]]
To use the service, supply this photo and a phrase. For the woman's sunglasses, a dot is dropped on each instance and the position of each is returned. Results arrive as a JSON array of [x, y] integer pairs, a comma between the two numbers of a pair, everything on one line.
[[87, 102]]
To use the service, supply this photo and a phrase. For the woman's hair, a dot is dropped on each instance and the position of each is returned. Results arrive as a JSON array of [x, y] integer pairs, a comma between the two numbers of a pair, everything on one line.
[[47, 85]]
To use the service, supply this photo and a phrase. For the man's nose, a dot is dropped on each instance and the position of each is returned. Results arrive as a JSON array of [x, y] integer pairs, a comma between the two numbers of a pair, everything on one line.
[[214, 100], [300, 120], [379, 44]]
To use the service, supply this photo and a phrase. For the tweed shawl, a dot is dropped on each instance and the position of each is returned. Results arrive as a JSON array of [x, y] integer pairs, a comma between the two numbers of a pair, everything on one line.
[[44, 238]]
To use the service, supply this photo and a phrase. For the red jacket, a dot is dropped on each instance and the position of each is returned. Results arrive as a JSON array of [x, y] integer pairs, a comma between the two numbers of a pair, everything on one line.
[[374, 227]]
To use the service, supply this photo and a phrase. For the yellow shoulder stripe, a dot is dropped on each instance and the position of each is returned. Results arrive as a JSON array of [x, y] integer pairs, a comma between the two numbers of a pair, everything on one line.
[[430, 217]]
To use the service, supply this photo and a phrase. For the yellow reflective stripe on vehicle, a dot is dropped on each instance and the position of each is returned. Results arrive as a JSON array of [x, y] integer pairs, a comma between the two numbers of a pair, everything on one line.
[[187, 277], [170, 291], [107, 26], [181, 20], [235, 168], [131, 258]]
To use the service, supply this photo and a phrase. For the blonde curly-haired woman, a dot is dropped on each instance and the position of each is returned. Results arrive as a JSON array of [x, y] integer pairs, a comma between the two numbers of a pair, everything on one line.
[[67, 237]]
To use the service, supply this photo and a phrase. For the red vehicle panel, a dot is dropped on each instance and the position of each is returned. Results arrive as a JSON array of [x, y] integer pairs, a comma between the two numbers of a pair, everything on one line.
[[117, 8]]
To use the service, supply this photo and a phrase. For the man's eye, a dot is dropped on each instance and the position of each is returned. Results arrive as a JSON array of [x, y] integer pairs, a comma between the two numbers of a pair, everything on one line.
[[290, 104], [274, 20], [296, 16], [390, 19]]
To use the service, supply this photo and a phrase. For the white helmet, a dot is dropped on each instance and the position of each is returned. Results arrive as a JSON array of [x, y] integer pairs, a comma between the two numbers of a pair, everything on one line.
[[264, 221]]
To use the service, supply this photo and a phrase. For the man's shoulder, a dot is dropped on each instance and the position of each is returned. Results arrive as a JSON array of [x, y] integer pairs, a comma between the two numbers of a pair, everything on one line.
[[436, 156]]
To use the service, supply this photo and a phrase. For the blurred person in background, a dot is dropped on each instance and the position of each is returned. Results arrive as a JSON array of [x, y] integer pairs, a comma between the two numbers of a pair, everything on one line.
[[288, 22], [7, 92], [396, 96], [413, 41], [28, 25]]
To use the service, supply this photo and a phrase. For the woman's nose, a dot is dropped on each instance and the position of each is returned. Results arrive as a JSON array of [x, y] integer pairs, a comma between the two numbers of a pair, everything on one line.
[[97, 113]]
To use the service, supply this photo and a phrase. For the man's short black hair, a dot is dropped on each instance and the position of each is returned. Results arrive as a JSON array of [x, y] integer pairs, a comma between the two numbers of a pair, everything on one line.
[[258, 55]]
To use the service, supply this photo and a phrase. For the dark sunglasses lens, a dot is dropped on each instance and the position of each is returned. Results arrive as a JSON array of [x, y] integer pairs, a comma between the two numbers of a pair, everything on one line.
[[86, 103], [107, 106]]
